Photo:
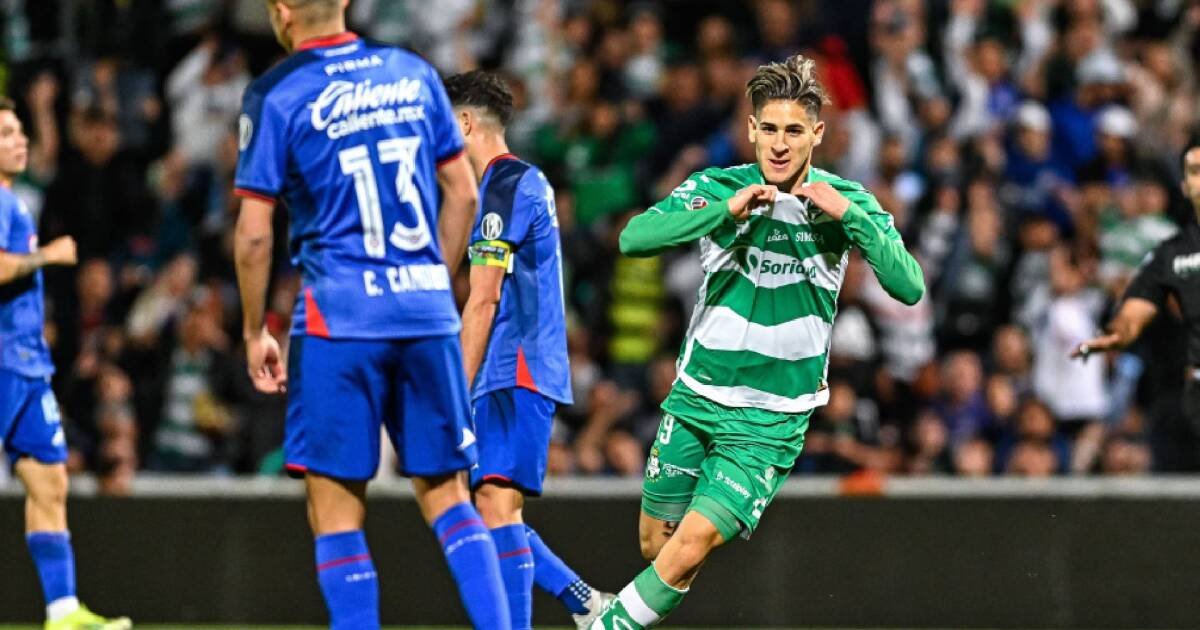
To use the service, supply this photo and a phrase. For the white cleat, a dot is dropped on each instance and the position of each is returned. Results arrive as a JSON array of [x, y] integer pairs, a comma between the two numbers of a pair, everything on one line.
[[597, 604]]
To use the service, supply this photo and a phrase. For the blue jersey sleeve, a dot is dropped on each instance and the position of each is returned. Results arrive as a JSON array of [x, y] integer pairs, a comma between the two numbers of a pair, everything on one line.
[[262, 140], [447, 139], [6, 217], [507, 208]]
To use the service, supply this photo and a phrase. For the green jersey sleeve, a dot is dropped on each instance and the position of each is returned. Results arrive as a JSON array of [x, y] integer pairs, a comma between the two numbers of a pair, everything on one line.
[[692, 211], [873, 232]]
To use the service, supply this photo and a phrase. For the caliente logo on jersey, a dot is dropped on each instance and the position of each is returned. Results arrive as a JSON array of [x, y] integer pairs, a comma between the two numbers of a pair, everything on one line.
[[346, 107]]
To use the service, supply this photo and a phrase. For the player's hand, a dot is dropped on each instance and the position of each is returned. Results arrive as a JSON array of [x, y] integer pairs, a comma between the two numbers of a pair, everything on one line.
[[749, 198], [825, 197], [264, 361], [1103, 343], [60, 251]]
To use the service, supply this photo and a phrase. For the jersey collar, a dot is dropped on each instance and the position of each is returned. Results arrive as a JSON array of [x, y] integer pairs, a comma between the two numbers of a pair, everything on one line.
[[344, 37], [502, 156]]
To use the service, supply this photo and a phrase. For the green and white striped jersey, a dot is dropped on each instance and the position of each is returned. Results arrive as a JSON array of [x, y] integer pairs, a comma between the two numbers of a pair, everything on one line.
[[759, 336]]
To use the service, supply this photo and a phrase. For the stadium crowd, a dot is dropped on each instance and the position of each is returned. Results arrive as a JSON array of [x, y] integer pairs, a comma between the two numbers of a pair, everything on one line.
[[1029, 150]]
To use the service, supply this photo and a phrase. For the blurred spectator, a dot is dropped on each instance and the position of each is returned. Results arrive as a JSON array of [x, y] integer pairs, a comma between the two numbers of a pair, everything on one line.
[[1033, 181], [962, 405], [1132, 228], [974, 459], [1124, 456], [1075, 391], [1101, 80], [1012, 359], [1032, 459], [161, 302], [931, 452], [99, 195], [1033, 443], [198, 387], [125, 93], [205, 94], [973, 278]]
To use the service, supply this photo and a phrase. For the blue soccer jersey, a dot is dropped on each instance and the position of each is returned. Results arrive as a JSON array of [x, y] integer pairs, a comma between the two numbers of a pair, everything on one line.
[[23, 347], [517, 228], [349, 134]]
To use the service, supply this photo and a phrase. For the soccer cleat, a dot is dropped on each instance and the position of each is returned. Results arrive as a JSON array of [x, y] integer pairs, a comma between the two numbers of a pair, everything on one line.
[[84, 619], [596, 605]]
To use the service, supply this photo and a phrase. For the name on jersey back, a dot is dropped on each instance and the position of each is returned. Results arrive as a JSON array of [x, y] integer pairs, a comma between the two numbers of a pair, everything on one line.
[[405, 278]]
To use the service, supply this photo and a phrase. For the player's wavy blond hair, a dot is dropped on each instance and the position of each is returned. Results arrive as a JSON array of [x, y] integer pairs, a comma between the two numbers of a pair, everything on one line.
[[793, 79]]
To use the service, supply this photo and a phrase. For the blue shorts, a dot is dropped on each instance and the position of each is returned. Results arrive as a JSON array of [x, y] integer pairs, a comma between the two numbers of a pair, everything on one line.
[[30, 424], [340, 391], [514, 438]]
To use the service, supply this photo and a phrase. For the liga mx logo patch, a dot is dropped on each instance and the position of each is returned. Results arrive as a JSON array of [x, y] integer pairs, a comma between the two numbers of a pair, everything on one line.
[[245, 132], [492, 226], [699, 203]]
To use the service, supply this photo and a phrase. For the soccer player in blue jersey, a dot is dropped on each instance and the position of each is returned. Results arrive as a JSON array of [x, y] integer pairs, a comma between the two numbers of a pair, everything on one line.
[[356, 139], [30, 428], [514, 344]]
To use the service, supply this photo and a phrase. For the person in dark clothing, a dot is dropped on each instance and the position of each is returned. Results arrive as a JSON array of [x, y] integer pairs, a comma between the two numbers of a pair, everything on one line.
[[1170, 273], [99, 197]]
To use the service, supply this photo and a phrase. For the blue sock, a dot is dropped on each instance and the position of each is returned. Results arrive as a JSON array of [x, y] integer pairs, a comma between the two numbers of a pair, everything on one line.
[[516, 567], [348, 581], [55, 561], [554, 576], [471, 554]]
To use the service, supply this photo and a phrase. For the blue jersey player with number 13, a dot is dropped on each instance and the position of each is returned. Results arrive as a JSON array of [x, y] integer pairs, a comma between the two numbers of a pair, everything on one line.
[[514, 344], [356, 139]]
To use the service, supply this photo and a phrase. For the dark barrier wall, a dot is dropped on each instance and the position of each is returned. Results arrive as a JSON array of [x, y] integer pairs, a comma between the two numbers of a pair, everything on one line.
[[894, 562]]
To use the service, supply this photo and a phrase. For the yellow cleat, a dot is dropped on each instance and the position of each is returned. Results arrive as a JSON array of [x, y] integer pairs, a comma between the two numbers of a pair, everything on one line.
[[84, 619]]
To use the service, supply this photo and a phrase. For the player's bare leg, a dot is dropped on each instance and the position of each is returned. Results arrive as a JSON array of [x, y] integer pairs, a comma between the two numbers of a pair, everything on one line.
[[50, 543], [653, 533], [335, 505], [467, 544], [660, 588], [435, 495], [685, 552], [337, 509], [499, 505], [45, 495]]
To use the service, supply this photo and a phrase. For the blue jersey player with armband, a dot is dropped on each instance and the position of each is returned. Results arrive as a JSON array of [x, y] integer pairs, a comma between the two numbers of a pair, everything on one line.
[[514, 345], [30, 428], [356, 139]]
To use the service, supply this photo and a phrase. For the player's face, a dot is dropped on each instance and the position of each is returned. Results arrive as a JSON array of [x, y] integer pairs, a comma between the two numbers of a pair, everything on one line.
[[1191, 176], [14, 146], [784, 134]]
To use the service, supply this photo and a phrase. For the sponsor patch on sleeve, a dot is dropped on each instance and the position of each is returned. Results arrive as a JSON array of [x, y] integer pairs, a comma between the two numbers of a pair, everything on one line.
[[492, 254], [699, 203]]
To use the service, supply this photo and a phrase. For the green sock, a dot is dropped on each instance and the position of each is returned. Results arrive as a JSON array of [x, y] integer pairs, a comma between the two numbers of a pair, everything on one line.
[[642, 603]]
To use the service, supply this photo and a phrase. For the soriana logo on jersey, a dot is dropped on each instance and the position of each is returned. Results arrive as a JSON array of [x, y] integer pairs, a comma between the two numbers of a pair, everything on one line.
[[346, 107]]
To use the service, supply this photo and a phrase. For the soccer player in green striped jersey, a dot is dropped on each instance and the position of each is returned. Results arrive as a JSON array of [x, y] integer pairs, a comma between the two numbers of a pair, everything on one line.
[[774, 241]]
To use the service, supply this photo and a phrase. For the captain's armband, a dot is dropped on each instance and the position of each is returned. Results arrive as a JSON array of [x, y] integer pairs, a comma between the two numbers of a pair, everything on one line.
[[492, 254]]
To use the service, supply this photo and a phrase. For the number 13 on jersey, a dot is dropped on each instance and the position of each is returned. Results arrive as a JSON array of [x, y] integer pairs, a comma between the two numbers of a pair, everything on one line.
[[356, 162]]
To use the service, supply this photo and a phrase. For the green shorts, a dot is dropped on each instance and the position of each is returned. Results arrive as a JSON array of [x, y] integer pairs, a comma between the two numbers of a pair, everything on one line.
[[729, 476]]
